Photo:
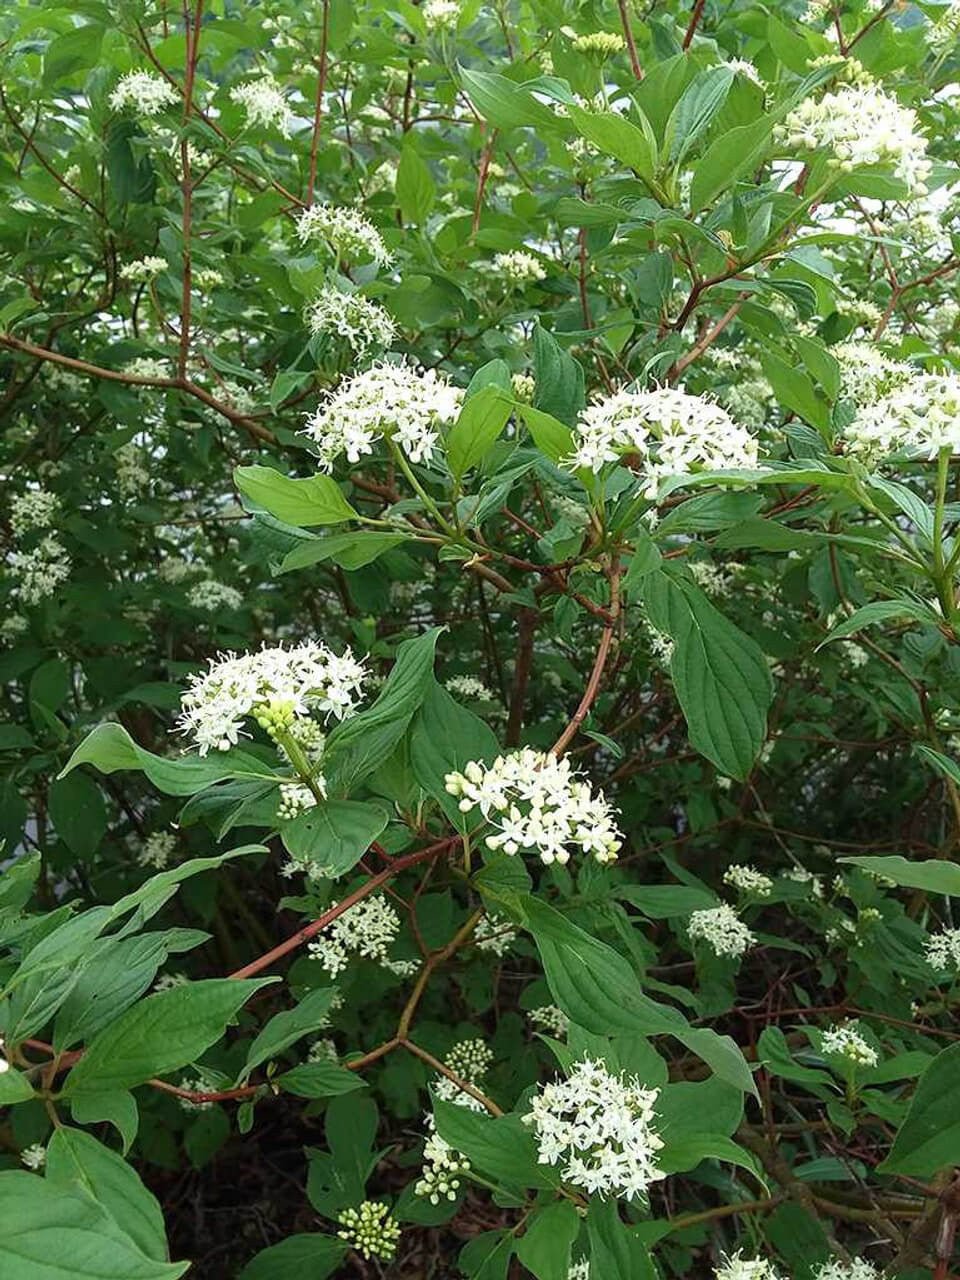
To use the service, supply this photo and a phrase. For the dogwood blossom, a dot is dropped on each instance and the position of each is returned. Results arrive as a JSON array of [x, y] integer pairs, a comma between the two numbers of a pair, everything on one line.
[[518, 267], [367, 929], [405, 404], [264, 104], [144, 269], [600, 1128], [344, 229], [551, 1019], [442, 1166], [440, 15], [296, 798], [855, 1269], [143, 92], [494, 935], [469, 687], [275, 686], [600, 44], [736, 1267], [34, 1157], [721, 929], [39, 571], [862, 125], [158, 850], [35, 509], [370, 1229], [942, 950], [667, 431], [363, 325], [538, 802], [749, 881], [212, 596], [845, 1041]]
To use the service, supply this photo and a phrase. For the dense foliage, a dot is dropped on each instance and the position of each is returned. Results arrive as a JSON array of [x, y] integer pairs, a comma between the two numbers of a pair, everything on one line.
[[481, 725]]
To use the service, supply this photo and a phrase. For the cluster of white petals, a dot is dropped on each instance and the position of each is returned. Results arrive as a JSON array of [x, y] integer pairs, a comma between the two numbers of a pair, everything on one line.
[[296, 798], [518, 267], [551, 1019], [264, 104], [749, 881], [942, 950], [469, 687], [275, 686], [407, 405], [494, 935], [35, 509], [370, 1229], [144, 269], [600, 1128], [143, 92], [538, 802], [442, 1166], [157, 851], [667, 431], [367, 929], [39, 571], [721, 929], [736, 1267], [362, 324], [600, 44], [846, 1042], [898, 407], [861, 125], [212, 596], [855, 1269], [346, 230], [440, 15], [34, 1157]]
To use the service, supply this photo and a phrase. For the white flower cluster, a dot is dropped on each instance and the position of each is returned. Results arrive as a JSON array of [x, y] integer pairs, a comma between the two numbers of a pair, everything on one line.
[[469, 687], [276, 686], [207, 278], [39, 571], [518, 268], [395, 400], [35, 509], [945, 28], [367, 929], [600, 1128], [721, 929], [750, 882], [442, 1166], [345, 230], [551, 1019], [143, 92], [470, 1059], [744, 67], [295, 798], [669, 431], [34, 1157], [579, 1270], [370, 1229], [898, 407], [846, 1042], [147, 367], [540, 804], [158, 850], [600, 44], [264, 104], [133, 474], [942, 950], [855, 1269], [524, 387], [862, 125], [494, 935], [144, 269], [13, 626], [737, 1267], [205, 1081], [440, 15], [212, 596], [363, 325]]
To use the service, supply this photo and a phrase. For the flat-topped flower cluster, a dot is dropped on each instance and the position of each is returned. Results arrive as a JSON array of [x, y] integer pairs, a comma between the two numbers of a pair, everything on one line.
[[275, 686], [899, 407], [538, 803]]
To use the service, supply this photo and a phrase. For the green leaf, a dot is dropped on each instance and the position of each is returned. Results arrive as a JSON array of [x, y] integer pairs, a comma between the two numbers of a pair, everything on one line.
[[445, 738], [934, 875], [160, 1034], [683, 1154], [349, 550], [14, 1087], [75, 1156], [416, 189], [475, 431], [559, 381], [503, 1147], [929, 1138], [881, 611], [795, 391], [721, 677], [614, 135], [285, 1028], [319, 1080], [79, 813], [698, 104], [616, 1252], [729, 157], [334, 835], [51, 1233], [118, 1108], [504, 104], [544, 1248], [666, 901], [552, 438], [309, 1255], [107, 985], [315, 500]]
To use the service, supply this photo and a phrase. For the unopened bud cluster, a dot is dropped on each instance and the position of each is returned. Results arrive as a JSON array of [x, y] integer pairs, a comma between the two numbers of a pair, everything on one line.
[[370, 1230]]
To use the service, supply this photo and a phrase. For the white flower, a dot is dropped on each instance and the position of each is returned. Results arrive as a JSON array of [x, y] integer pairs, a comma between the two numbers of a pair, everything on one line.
[[494, 935], [551, 1019], [440, 15], [143, 92], [295, 798], [346, 230], [942, 950], [470, 1060], [367, 929], [35, 509], [898, 406], [158, 850], [276, 686], [143, 270], [469, 687], [205, 1081], [579, 1270], [602, 44], [167, 981], [371, 1230], [721, 929], [39, 571], [395, 400], [133, 474], [212, 596], [264, 104], [846, 1042], [13, 626], [749, 881], [147, 367], [363, 325], [862, 125], [540, 804], [744, 67], [668, 431], [517, 267], [600, 1128], [34, 1157], [442, 1166], [737, 1267], [207, 278], [855, 1269], [323, 1050]]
